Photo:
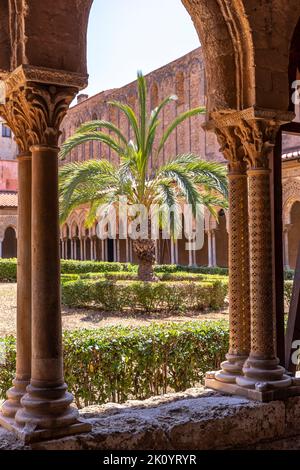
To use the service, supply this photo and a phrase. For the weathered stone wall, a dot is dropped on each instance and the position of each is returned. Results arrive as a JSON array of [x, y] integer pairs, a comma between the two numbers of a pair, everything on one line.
[[184, 77], [193, 420]]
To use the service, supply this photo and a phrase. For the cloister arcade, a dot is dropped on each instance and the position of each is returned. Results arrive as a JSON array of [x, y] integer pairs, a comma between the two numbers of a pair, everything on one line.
[[79, 243], [252, 56]]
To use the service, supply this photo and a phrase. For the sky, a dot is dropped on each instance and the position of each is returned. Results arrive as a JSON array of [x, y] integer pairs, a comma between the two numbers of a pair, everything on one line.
[[125, 36]]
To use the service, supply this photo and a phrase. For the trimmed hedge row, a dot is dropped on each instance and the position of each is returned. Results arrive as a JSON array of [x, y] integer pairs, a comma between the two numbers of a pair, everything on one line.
[[137, 296], [131, 276], [8, 270], [114, 364]]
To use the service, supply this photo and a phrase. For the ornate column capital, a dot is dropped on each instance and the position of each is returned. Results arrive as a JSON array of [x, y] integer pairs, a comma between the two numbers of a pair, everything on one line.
[[247, 136], [37, 100]]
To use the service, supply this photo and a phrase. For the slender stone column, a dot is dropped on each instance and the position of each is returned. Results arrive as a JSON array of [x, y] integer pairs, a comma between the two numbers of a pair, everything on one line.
[[239, 287], [262, 370], [62, 249], [23, 369], [214, 249], [1, 248], [127, 251], [210, 262], [46, 403], [286, 246]]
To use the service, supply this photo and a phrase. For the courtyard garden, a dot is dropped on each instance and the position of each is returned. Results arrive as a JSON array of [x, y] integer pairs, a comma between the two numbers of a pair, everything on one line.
[[126, 339]]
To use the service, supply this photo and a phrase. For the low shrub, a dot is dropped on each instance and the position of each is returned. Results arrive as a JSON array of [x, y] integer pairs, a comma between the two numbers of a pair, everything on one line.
[[114, 364], [8, 270], [69, 277], [170, 268], [138, 296], [288, 290], [81, 267], [133, 276], [289, 274]]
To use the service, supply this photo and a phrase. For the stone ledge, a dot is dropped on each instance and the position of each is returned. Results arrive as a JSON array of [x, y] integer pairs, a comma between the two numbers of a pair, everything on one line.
[[197, 419]]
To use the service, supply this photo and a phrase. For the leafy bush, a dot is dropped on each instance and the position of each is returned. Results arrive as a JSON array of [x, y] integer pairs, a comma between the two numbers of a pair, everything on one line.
[[8, 270], [81, 267], [132, 276], [114, 364], [146, 297], [289, 275], [288, 290], [170, 268], [69, 277]]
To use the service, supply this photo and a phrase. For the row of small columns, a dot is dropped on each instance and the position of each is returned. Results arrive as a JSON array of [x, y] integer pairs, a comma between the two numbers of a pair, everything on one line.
[[252, 362], [174, 254], [38, 403]]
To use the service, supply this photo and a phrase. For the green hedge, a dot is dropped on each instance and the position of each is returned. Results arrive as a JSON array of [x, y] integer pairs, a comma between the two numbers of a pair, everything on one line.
[[8, 270], [132, 276], [137, 296], [288, 290], [114, 364]]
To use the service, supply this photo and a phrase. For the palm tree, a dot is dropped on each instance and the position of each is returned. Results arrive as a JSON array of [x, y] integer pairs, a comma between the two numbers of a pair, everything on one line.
[[185, 178]]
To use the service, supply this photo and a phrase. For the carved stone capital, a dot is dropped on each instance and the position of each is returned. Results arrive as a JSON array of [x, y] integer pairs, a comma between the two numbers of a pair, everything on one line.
[[37, 100], [247, 136]]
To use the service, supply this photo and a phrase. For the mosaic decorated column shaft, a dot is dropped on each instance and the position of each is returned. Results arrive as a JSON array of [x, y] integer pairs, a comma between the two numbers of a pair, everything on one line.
[[261, 370], [239, 288]]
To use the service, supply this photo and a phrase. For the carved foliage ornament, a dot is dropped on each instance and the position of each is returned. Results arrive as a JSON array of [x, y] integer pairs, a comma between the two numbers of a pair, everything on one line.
[[246, 137], [35, 112], [37, 100]]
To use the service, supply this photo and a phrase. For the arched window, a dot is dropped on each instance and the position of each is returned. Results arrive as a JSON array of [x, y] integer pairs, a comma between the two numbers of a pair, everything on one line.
[[179, 87]]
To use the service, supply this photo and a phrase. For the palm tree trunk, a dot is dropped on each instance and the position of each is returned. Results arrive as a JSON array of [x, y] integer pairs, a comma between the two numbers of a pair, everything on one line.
[[145, 252]]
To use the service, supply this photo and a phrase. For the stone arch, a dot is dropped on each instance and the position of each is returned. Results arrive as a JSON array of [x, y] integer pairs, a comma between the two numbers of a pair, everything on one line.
[[8, 221], [9, 244], [291, 194], [225, 34], [294, 233]]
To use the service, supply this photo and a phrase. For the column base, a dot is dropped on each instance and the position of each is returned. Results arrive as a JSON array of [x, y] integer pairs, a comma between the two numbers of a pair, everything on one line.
[[29, 434], [231, 368], [259, 391], [14, 396]]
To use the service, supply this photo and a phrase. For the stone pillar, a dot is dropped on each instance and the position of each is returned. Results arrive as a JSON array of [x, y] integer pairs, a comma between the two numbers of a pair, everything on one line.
[[214, 248], [63, 248], [46, 403], [239, 282], [210, 262], [172, 251], [262, 370], [1, 248], [286, 246], [23, 367], [127, 250], [103, 258], [38, 109], [249, 135]]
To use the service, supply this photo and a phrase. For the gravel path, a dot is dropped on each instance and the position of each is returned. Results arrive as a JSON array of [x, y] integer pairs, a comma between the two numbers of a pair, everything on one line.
[[90, 319]]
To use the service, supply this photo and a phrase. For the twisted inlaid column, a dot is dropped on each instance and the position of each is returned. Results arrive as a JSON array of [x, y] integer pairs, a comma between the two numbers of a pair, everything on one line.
[[23, 367], [239, 289], [261, 370]]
